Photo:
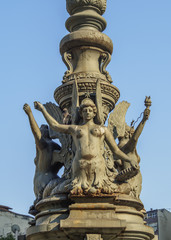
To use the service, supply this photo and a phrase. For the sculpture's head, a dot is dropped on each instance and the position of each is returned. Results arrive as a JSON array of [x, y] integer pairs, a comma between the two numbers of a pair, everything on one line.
[[87, 109], [129, 131], [44, 129]]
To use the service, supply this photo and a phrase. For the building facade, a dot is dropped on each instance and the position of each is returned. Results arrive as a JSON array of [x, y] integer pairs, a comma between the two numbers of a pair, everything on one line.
[[11, 222], [160, 221]]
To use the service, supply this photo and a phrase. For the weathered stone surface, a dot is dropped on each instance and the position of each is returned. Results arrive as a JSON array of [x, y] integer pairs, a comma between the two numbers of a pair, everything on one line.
[[97, 198], [87, 83], [115, 216], [73, 5], [86, 38], [45, 169]]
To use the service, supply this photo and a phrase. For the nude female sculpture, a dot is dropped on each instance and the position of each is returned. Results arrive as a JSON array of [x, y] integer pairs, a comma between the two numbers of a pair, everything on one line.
[[128, 144], [45, 147], [88, 165]]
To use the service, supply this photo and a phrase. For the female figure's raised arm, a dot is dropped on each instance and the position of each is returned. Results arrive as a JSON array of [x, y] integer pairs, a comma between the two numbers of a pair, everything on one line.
[[33, 124], [51, 121], [134, 139], [140, 127]]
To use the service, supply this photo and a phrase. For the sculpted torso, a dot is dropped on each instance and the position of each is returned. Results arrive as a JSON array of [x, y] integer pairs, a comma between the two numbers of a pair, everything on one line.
[[87, 140], [88, 164], [44, 171], [44, 158]]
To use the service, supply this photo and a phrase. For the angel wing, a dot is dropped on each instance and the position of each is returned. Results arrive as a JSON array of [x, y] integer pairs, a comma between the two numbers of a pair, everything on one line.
[[75, 104], [99, 116], [56, 113], [64, 156], [116, 122], [116, 125]]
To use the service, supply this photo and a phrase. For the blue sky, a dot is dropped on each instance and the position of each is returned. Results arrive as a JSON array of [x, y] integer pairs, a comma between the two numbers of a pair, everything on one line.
[[31, 68]]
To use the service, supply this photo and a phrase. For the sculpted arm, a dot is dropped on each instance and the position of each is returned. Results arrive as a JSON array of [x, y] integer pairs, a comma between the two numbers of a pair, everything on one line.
[[114, 148], [33, 124], [134, 139], [51, 121]]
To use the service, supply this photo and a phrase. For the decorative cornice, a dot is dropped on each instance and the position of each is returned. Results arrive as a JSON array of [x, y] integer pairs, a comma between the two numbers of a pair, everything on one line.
[[109, 92]]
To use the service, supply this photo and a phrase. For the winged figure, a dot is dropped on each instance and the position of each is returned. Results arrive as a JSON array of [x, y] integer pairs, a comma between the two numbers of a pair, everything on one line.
[[90, 172], [128, 138], [65, 155], [47, 165]]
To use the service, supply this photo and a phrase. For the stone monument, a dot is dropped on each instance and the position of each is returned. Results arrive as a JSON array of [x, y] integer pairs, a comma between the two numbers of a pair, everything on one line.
[[97, 197]]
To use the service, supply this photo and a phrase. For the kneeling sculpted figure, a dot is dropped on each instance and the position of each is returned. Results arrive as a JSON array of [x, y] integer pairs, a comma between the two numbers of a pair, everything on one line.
[[45, 171], [88, 166]]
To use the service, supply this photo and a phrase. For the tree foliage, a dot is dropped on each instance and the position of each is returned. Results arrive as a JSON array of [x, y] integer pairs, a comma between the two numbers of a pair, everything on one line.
[[9, 237]]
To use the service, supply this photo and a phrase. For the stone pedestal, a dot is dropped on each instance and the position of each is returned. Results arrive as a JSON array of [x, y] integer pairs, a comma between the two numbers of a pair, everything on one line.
[[92, 215], [51, 212], [104, 217]]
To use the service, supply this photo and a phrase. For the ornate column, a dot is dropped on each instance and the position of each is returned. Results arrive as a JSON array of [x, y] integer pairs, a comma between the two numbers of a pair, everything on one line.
[[86, 51], [95, 199]]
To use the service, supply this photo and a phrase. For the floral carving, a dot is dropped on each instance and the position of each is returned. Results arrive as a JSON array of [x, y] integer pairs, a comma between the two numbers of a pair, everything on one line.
[[72, 4]]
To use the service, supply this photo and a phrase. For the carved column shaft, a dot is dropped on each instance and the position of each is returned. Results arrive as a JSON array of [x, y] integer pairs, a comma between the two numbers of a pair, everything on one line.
[[86, 51]]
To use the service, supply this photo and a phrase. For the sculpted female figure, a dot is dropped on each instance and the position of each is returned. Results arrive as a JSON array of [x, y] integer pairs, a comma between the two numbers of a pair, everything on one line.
[[44, 153], [128, 144], [88, 166]]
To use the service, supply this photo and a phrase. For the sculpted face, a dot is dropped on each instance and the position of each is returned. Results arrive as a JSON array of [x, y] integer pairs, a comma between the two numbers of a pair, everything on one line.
[[88, 113], [87, 109], [129, 131]]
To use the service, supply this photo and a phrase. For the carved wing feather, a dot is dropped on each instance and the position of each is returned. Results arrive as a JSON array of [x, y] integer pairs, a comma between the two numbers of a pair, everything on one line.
[[66, 140], [116, 122], [56, 113], [75, 103]]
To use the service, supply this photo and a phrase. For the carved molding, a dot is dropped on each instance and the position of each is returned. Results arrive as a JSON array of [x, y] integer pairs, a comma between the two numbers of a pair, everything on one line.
[[71, 5], [109, 92], [86, 38], [87, 87], [84, 75]]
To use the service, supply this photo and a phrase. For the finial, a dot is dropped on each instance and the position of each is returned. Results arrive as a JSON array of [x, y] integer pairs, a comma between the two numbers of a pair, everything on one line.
[[147, 102], [86, 14]]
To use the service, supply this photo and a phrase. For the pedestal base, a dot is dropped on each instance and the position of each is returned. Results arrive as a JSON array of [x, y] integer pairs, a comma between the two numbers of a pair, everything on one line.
[[90, 218]]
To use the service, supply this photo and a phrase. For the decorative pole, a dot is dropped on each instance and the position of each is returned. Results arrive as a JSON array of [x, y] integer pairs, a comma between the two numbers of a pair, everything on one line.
[[97, 198]]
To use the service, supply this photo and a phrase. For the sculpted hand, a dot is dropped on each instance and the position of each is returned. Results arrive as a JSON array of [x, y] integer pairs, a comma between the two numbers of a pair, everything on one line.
[[146, 114], [27, 109], [38, 106]]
